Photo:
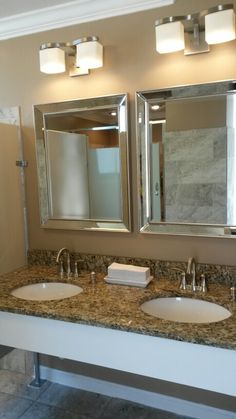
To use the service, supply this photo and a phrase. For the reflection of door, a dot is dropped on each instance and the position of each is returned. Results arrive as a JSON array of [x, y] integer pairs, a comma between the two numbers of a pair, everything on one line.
[[12, 229], [67, 174], [155, 182]]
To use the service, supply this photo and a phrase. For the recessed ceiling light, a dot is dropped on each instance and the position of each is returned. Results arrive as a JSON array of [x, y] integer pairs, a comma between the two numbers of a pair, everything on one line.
[[155, 107]]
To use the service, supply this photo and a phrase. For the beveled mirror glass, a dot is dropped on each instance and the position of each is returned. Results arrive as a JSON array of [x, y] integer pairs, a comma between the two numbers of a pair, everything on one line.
[[82, 157], [187, 159]]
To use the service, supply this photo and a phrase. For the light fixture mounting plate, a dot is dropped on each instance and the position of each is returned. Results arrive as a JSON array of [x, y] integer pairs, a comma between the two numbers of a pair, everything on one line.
[[195, 46]]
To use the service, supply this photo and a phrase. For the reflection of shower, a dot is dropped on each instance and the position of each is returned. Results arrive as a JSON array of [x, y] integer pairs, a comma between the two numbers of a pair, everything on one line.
[[83, 182], [108, 160], [67, 175], [104, 183]]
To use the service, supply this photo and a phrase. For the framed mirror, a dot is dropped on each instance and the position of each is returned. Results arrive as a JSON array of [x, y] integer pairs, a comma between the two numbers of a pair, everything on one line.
[[83, 164], [187, 160]]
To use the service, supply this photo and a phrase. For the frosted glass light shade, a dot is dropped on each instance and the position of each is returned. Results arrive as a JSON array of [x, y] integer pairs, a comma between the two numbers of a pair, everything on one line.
[[220, 26], [89, 54], [169, 37], [52, 60]]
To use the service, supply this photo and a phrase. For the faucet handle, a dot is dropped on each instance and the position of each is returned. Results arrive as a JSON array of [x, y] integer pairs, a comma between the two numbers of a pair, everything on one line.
[[183, 281], [233, 292], [203, 284], [76, 273], [93, 277], [77, 267]]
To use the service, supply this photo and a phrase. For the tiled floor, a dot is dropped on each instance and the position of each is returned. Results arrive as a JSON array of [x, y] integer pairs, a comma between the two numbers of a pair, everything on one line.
[[55, 401]]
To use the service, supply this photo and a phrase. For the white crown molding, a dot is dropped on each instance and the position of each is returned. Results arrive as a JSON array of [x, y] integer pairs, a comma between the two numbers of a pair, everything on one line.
[[72, 13]]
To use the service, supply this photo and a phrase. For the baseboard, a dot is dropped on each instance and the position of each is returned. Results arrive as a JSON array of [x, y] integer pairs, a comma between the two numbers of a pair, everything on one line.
[[159, 401]]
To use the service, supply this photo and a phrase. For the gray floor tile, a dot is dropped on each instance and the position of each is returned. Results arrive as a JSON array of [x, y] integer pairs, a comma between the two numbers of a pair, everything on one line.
[[16, 383], [122, 409], [55, 401], [12, 407], [161, 414], [75, 401], [42, 411]]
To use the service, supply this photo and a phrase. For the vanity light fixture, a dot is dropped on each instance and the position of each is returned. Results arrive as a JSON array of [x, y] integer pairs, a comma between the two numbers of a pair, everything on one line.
[[52, 58], [169, 35], [89, 52], [82, 55], [220, 25], [193, 33]]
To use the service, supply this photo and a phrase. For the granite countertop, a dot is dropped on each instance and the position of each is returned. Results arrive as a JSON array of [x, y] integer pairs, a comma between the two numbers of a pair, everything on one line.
[[118, 307]]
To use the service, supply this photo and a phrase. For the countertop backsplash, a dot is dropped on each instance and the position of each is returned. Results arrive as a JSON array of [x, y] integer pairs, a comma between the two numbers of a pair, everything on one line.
[[160, 269]]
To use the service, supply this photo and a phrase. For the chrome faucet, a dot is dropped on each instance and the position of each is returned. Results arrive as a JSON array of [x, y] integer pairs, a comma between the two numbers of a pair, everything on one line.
[[61, 252], [191, 270], [190, 273]]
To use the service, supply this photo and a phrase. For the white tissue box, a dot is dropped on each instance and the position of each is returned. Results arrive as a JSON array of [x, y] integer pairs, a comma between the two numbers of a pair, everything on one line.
[[128, 272], [129, 282]]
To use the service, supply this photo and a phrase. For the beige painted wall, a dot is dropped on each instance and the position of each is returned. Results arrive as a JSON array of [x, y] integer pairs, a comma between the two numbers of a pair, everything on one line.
[[12, 238], [131, 64]]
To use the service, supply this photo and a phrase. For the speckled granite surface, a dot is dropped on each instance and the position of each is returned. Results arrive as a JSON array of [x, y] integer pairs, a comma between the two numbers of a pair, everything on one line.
[[118, 307]]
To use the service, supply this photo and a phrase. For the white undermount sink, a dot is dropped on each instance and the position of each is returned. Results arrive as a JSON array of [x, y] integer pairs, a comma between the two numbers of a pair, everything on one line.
[[46, 291], [185, 310]]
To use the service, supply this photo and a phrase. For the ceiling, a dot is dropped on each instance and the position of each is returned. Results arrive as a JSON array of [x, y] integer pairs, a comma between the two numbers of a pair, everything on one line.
[[8, 8], [24, 17]]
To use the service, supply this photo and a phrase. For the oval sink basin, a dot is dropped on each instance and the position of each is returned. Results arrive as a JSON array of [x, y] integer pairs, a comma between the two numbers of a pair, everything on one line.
[[46, 291], [185, 310]]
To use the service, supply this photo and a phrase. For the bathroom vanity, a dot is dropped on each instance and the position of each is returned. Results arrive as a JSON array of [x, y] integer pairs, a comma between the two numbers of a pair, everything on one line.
[[104, 325]]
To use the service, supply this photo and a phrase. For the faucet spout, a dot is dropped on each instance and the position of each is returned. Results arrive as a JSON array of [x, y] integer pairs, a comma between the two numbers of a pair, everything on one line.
[[62, 250], [191, 270], [58, 258], [190, 265]]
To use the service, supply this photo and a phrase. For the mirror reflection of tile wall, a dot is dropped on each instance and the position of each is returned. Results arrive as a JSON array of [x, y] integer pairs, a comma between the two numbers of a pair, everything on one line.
[[187, 145], [196, 175]]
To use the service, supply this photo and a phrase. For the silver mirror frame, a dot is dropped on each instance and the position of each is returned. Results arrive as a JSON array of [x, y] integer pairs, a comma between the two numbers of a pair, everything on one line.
[[146, 224], [95, 103]]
